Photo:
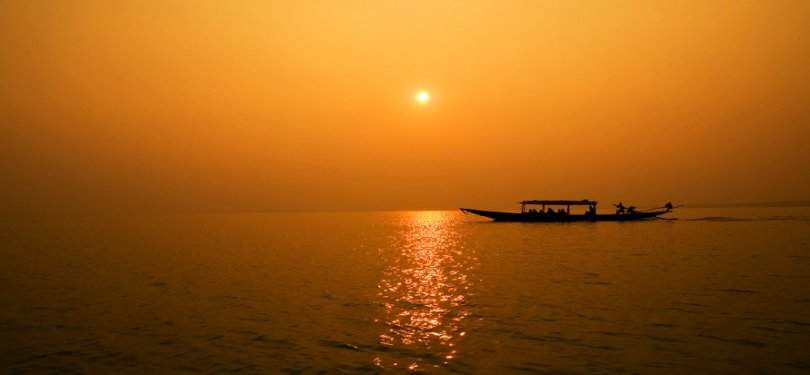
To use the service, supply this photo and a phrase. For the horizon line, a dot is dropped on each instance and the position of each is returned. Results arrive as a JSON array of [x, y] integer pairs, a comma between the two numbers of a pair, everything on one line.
[[761, 204]]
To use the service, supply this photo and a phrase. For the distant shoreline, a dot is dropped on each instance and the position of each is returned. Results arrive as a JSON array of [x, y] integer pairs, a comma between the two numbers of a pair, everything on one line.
[[751, 204]]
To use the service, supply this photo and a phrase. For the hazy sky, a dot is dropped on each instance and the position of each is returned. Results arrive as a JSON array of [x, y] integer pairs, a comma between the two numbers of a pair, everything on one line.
[[307, 105]]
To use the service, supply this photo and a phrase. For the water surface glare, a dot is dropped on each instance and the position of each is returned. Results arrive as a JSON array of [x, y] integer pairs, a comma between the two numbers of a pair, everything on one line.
[[719, 291]]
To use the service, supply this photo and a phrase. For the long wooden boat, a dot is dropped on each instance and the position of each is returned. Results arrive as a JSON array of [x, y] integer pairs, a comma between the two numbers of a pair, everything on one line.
[[547, 213]]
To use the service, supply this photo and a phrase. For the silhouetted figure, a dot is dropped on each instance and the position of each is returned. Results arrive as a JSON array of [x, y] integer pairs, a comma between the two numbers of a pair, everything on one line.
[[631, 210], [668, 206], [591, 211], [550, 211], [619, 208]]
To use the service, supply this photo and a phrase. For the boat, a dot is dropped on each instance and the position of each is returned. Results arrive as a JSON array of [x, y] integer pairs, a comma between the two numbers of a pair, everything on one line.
[[555, 211]]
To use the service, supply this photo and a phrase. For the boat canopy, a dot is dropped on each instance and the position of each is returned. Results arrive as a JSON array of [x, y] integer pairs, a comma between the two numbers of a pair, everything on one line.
[[583, 202], [567, 204]]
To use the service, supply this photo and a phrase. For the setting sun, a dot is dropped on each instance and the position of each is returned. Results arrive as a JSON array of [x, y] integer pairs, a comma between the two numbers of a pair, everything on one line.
[[422, 97]]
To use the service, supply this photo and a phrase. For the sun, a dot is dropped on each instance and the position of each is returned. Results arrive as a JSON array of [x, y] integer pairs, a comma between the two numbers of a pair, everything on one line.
[[422, 97]]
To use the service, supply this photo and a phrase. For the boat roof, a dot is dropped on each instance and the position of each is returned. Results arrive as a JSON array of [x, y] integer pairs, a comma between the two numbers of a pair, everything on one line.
[[583, 202]]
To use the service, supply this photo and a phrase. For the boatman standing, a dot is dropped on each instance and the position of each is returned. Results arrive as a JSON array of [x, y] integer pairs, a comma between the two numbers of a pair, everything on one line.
[[619, 208]]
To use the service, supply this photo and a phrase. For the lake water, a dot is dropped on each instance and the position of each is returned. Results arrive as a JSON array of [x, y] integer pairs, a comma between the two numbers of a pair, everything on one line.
[[718, 291]]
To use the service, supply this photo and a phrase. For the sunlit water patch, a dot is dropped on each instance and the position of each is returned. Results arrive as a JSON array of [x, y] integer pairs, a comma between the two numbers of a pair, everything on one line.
[[425, 287]]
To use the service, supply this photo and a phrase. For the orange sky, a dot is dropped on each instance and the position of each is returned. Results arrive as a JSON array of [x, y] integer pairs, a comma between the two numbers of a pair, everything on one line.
[[309, 105]]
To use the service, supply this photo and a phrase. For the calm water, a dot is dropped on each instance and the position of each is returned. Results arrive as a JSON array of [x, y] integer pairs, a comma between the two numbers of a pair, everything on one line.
[[727, 291]]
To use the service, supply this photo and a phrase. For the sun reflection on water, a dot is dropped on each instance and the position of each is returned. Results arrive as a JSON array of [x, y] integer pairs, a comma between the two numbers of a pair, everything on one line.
[[424, 292]]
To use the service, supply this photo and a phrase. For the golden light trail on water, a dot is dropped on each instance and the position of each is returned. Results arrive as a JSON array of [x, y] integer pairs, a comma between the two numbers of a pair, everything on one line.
[[424, 291]]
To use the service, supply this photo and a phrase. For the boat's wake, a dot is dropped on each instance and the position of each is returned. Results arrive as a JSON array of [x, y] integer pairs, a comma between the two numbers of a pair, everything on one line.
[[718, 218], [767, 218]]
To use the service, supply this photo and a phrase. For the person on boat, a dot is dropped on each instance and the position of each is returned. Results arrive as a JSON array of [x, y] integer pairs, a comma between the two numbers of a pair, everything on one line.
[[668, 206], [550, 211], [631, 209], [591, 211], [619, 208]]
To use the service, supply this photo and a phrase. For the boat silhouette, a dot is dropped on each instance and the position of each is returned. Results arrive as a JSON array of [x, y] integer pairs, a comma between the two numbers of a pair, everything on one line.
[[554, 211]]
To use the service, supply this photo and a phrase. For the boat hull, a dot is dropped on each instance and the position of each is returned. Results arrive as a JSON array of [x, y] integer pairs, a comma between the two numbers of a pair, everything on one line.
[[562, 218]]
